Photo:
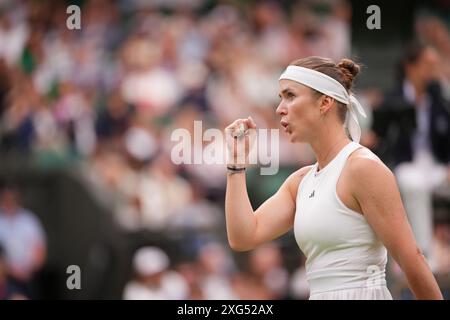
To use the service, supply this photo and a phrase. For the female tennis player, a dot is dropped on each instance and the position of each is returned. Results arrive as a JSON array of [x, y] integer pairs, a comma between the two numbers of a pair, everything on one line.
[[345, 209]]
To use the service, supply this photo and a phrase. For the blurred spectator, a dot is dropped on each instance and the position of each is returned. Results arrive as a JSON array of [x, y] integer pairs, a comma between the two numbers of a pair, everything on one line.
[[16, 123], [432, 31], [23, 238], [154, 194], [148, 85], [73, 113], [8, 291], [413, 127], [200, 214], [154, 280], [215, 266], [299, 287], [139, 143], [440, 255], [14, 33], [267, 277], [191, 275], [114, 120], [4, 86]]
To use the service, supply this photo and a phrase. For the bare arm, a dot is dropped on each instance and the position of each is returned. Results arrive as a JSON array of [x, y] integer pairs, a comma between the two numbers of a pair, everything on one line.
[[375, 189], [247, 228]]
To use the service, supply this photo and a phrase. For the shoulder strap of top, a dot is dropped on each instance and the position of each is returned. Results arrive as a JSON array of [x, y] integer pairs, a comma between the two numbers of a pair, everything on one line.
[[348, 150], [352, 146]]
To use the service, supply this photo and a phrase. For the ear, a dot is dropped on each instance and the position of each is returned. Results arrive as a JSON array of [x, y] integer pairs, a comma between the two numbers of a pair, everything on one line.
[[326, 102]]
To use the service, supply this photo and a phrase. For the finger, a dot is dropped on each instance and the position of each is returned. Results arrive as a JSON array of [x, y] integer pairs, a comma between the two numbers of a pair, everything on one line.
[[234, 125], [251, 123], [240, 130]]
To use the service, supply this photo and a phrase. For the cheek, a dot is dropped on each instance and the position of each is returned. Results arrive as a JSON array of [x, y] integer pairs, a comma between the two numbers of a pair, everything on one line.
[[297, 107], [303, 110]]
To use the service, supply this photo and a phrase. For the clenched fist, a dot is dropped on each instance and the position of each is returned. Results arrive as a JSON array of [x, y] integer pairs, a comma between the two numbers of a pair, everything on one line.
[[240, 137]]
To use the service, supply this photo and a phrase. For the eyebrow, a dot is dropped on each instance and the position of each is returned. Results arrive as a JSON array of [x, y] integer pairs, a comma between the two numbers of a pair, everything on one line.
[[284, 91]]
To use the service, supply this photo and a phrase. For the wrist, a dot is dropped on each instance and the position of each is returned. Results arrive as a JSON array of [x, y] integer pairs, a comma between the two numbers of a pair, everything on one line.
[[232, 169]]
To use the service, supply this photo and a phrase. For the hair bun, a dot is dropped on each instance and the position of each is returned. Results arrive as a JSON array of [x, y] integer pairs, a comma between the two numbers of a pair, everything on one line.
[[349, 67]]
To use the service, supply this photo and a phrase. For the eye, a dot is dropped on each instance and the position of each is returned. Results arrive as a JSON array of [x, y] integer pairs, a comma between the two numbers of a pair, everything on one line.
[[290, 95]]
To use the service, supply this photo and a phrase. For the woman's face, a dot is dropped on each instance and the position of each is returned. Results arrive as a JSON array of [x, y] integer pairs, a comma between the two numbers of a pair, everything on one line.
[[299, 110]]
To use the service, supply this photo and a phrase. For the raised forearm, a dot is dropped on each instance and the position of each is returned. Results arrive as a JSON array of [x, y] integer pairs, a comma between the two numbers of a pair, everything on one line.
[[240, 220]]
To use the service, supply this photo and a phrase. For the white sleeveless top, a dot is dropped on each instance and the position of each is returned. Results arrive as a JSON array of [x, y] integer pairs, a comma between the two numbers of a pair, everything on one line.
[[345, 259]]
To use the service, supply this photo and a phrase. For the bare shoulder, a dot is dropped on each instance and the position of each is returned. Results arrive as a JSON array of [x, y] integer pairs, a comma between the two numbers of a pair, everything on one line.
[[363, 166], [293, 181], [364, 159], [373, 185]]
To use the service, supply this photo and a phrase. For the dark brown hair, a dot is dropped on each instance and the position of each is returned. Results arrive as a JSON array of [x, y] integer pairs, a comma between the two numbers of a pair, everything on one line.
[[411, 55], [344, 72]]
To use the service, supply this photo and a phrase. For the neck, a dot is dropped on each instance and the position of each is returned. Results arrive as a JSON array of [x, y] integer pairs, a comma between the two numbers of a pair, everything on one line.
[[328, 145]]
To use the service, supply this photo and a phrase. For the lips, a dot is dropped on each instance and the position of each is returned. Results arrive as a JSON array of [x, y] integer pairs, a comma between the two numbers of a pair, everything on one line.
[[285, 125]]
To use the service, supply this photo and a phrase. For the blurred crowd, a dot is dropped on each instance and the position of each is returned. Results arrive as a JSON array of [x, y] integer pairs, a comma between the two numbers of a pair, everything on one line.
[[111, 93], [214, 275], [106, 98]]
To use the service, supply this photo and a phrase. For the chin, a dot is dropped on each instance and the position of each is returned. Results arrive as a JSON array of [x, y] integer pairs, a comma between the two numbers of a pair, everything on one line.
[[293, 138], [297, 138]]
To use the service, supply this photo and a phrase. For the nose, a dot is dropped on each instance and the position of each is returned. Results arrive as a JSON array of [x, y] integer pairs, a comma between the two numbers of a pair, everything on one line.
[[281, 109]]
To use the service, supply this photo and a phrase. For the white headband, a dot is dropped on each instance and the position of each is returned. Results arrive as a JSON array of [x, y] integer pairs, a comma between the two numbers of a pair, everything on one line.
[[330, 87]]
